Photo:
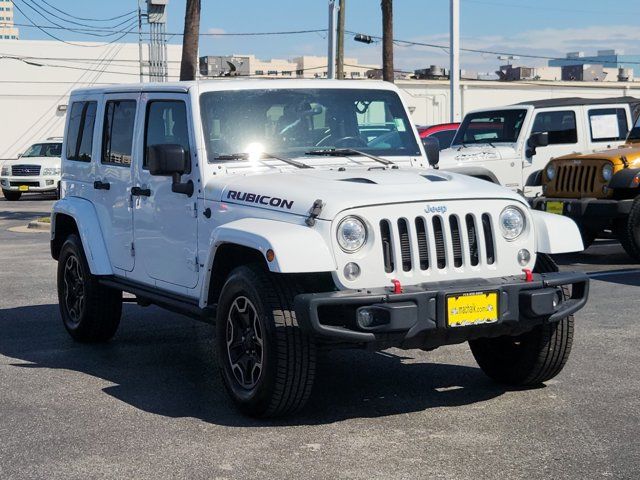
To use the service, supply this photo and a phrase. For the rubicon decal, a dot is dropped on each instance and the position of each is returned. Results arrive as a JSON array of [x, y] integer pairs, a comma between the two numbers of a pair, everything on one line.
[[260, 199]]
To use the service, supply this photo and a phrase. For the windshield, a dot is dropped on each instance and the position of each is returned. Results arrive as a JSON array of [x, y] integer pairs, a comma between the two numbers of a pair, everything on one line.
[[291, 122], [44, 150], [490, 127], [634, 134]]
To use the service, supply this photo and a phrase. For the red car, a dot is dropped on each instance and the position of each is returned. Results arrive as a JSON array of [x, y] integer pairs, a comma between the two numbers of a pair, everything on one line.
[[444, 132]]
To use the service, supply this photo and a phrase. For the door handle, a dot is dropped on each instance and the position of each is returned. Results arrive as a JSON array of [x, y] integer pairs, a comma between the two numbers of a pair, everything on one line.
[[140, 192], [98, 185]]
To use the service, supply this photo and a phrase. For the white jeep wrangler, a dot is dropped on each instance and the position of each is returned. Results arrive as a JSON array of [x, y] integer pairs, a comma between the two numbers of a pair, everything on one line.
[[298, 215]]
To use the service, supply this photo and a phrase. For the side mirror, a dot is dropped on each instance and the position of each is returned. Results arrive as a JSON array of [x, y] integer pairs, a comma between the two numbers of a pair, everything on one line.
[[432, 149], [19, 155], [537, 140], [172, 161]]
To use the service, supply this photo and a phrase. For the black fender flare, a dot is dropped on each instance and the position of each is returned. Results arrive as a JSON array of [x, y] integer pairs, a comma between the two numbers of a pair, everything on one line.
[[535, 179], [626, 178]]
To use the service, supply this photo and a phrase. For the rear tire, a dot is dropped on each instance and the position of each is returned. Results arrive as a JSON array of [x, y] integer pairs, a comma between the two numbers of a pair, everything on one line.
[[533, 357], [11, 196], [90, 312], [266, 362], [627, 230]]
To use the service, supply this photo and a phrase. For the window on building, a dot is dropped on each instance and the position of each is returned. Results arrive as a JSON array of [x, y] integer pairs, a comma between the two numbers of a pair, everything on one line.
[[560, 125], [117, 133], [82, 119], [166, 125], [259, 72], [355, 74], [608, 124], [299, 72], [272, 72], [286, 73]]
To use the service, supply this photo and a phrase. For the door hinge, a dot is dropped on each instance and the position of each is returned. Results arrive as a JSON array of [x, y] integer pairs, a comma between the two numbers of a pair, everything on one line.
[[133, 250], [193, 209], [193, 263]]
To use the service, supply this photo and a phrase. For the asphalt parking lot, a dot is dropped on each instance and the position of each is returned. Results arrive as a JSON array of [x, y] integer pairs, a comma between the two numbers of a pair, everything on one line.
[[150, 405]]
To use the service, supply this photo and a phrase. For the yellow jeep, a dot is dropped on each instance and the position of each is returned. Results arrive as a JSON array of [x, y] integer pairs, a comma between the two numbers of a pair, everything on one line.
[[599, 190]]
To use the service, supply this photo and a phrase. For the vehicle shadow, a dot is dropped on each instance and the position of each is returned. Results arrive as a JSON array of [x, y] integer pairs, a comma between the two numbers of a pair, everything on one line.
[[602, 252], [164, 364], [23, 215]]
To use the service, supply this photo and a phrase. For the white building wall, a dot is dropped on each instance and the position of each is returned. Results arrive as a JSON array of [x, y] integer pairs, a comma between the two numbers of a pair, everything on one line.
[[32, 98]]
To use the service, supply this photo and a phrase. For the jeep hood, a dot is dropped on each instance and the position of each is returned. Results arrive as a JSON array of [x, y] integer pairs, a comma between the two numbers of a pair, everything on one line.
[[295, 192], [631, 153], [476, 154]]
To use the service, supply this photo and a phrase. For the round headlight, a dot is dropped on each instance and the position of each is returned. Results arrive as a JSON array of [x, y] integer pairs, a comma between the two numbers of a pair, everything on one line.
[[352, 234], [551, 171], [511, 223], [607, 172]]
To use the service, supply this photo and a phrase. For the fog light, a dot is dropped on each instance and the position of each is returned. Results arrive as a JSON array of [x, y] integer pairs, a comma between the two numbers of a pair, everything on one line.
[[351, 271], [49, 182], [365, 318], [524, 257]]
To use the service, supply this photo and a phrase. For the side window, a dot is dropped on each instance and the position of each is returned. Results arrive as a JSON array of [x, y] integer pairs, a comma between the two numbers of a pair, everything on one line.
[[117, 133], [166, 124], [80, 135], [608, 124], [560, 125]]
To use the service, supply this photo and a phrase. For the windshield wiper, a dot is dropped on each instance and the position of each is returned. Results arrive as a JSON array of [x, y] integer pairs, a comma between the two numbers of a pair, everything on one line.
[[344, 152], [245, 156]]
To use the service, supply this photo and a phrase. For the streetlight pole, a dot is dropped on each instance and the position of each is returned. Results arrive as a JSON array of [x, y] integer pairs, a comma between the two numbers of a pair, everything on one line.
[[331, 40], [454, 67]]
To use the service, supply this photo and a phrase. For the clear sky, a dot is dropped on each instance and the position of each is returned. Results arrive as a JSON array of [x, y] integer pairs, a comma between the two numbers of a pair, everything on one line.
[[538, 27]]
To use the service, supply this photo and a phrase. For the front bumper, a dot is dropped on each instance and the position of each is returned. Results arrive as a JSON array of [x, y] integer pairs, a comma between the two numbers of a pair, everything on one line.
[[30, 184], [417, 317], [587, 210]]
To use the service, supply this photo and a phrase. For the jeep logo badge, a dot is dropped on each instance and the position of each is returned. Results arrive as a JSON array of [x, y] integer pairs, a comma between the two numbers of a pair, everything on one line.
[[437, 209]]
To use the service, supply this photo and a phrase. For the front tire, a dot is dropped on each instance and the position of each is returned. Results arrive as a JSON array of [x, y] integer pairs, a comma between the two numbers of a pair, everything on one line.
[[90, 312], [627, 230], [11, 196], [532, 358], [266, 362]]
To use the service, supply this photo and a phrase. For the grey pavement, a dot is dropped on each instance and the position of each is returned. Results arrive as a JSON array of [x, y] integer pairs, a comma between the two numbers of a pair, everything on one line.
[[149, 404]]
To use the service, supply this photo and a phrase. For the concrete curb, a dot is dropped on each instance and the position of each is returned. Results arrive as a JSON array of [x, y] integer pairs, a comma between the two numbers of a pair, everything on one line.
[[36, 225]]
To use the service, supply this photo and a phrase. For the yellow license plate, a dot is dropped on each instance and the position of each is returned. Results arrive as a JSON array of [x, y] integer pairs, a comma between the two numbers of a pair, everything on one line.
[[23, 188], [472, 308], [555, 207]]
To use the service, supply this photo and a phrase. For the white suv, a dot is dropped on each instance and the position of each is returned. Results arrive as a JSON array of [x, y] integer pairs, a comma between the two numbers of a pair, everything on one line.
[[36, 170], [274, 210]]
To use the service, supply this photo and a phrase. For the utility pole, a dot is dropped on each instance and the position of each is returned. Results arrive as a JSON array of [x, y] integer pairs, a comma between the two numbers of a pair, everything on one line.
[[340, 56], [331, 40], [387, 40], [140, 39], [454, 67], [189, 64]]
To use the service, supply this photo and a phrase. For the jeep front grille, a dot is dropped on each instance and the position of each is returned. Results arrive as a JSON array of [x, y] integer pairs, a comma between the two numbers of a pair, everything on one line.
[[577, 179], [25, 170], [438, 241]]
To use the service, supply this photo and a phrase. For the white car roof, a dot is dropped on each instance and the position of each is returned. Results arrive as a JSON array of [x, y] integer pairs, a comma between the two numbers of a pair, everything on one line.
[[238, 84]]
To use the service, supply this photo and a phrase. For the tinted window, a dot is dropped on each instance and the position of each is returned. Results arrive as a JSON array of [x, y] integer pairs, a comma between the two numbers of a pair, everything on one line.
[[560, 125], [490, 127], [80, 134], [166, 124], [608, 124], [445, 137], [117, 134]]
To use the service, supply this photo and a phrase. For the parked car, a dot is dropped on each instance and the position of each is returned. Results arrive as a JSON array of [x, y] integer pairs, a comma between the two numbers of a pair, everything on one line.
[[36, 170], [444, 132], [260, 206], [511, 145], [599, 191]]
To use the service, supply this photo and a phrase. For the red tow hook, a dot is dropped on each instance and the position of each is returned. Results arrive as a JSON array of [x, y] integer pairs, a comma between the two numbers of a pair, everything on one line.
[[528, 275], [397, 287]]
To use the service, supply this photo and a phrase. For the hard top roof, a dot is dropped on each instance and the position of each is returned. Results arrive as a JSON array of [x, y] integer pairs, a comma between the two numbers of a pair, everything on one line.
[[236, 84], [572, 101]]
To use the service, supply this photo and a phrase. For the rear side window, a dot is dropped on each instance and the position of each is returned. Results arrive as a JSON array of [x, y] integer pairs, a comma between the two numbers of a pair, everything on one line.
[[560, 125], [166, 124], [80, 133], [608, 124], [117, 133], [445, 137]]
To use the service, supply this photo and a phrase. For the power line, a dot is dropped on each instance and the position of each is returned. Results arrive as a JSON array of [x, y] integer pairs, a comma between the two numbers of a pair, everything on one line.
[[129, 17], [476, 50]]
